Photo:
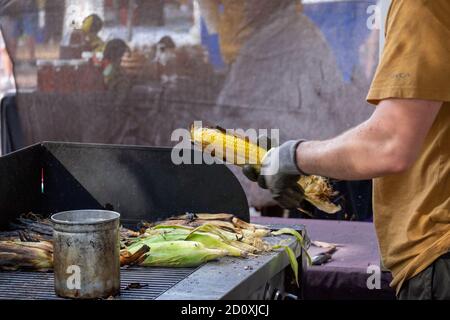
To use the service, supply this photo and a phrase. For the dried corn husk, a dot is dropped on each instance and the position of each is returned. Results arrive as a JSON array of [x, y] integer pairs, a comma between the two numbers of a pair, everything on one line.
[[127, 258], [15, 255], [204, 216]]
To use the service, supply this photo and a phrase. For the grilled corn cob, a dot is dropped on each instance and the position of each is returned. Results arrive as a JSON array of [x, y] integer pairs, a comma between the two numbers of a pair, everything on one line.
[[221, 145], [227, 147]]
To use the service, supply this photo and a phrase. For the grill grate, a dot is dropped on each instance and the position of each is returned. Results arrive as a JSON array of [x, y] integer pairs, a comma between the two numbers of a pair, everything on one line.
[[39, 286]]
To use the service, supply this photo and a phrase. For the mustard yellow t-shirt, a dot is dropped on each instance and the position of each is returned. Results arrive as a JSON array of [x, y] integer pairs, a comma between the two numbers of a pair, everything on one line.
[[412, 209]]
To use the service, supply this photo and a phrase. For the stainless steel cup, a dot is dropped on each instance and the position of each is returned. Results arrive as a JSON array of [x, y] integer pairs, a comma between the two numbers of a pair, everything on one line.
[[86, 254]]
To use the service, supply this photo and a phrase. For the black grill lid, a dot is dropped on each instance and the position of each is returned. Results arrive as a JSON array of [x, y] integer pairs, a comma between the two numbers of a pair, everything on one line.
[[141, 183]]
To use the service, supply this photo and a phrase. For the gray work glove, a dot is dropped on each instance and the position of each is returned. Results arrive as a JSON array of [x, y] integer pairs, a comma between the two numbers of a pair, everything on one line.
[[280, 174]]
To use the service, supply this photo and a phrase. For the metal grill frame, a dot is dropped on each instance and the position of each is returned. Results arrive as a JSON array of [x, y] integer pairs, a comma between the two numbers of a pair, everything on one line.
[[76, 171], [22, 285], [228, 278]]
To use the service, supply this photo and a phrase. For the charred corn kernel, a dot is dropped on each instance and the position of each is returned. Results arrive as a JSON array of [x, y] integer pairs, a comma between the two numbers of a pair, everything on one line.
[[180, 254], [227, 147], [240, 151]]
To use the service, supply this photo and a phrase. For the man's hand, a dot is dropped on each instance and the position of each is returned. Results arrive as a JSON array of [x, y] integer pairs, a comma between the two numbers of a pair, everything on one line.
[[280, 174]]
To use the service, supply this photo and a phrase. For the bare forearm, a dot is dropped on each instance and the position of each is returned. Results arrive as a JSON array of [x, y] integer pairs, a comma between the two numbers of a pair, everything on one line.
[[388, 143], [348, 157]]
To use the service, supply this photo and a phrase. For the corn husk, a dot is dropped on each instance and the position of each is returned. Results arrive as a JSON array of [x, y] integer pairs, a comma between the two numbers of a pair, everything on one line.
[[204, 216], [224, 146], [242, 240], [299, 238], [127, 258], [213, 241], [16, 255], [180, 254]]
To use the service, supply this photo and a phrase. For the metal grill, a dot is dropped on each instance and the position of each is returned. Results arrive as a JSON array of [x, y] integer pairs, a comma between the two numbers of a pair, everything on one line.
[[39, 286]]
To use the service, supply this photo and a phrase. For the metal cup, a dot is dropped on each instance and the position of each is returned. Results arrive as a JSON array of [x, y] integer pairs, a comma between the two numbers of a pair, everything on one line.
[[86, 254]]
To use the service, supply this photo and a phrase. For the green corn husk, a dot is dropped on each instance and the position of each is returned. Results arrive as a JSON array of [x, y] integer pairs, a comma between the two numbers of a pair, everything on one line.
[[180, 254], [291, 232], [289, 251], [166, 235], [150, 239], [214, 229], [213, 241], [299, 238], [292, 260], [171, 227], [242, 240], [232, 239]]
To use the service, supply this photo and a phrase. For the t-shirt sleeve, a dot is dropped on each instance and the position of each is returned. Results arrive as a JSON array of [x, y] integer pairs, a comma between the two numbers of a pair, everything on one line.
[[416, 59]]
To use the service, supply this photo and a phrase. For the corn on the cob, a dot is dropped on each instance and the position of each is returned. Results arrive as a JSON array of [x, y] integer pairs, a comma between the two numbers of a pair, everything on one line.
[[221, 145], [180, 254], [227, 147], [150, 238], [213, 241], [166, 235]]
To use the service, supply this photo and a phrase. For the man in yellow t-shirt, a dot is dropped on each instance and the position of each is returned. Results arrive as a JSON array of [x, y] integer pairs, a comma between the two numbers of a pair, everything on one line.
[[404, 147]]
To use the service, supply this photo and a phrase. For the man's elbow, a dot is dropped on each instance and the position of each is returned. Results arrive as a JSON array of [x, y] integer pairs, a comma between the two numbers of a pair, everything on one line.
[[399, 166], [398, 160]]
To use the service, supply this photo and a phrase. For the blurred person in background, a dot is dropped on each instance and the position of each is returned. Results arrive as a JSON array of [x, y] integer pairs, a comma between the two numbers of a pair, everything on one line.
[[54, 18], [24, 16], [10, 13], [87, 36], [115, 78]]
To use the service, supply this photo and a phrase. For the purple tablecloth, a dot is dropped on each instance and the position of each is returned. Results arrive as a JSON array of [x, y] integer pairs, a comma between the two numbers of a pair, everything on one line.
[[345, 276]]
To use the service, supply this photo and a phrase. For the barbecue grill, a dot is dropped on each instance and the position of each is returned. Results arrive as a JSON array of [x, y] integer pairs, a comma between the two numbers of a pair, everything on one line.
[[141, 183]]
